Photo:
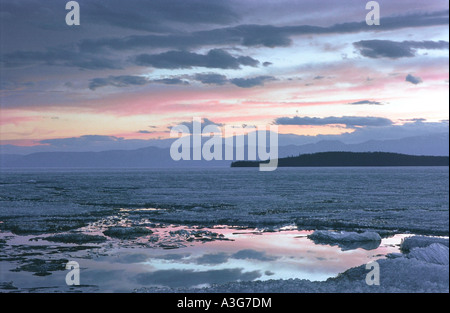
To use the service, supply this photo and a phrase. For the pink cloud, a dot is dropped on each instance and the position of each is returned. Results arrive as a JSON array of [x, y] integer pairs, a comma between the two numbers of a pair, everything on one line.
[[16, 120]]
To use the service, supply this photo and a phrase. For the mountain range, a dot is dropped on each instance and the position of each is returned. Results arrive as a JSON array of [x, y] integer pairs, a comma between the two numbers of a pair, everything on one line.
[[159, 157]]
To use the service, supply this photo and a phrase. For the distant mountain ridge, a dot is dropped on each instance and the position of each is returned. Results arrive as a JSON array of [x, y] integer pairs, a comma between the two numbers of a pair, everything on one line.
[[150, 157], [436, 144], [289, 144], [155, 157]]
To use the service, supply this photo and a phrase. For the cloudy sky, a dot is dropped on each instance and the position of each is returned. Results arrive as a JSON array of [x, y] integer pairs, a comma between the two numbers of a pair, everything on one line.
[[134, 68]]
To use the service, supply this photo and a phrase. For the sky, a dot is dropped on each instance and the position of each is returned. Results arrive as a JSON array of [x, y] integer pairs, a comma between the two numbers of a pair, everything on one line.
[[133, 69]]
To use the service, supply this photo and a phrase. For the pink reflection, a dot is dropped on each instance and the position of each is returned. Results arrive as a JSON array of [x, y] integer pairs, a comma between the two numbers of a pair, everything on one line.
[[277, 255]]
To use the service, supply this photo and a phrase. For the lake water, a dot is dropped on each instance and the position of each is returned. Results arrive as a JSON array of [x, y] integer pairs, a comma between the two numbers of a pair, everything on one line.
[[206, 225]]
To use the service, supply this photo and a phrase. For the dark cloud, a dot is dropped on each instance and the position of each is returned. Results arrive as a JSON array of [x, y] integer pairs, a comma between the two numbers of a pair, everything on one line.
[[429, 45], [152, 16], [348, 121], [206, 78], [211, 79], [215, 58], [158, 15], [171, 81], [213, 259], [394, 49], [132, 258], [130, 80], [259, 35], [246, 35], [253, 255], [383, 49], [413, 79], [414, 120], [251, 82], [172, 256], [265, 64], [218, 79], [265, 35], [248, 61], [189, 278], [118, 81], [95, 49], [61, 57], [10, 85], [369, 102]]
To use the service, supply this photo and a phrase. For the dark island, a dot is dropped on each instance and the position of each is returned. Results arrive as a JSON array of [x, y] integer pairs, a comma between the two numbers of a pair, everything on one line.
[[340, 159]]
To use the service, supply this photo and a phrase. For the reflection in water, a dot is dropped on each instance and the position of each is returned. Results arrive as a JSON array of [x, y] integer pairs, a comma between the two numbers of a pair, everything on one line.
[[247, 255], [366, 245], [263, 256], [187, 278]]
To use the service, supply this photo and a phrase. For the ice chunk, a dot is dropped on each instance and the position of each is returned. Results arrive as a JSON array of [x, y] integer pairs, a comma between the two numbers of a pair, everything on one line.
[[435, 253], [77, 238], [127, 232], [37, 226], [347, 240], [332, 236], [399, 275], [421, 242], [7, 286], [394, 255], [42, 267], [198, 235]]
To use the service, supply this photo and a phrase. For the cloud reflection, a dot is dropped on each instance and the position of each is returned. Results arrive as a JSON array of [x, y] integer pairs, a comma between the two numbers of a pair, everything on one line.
[[190, 278]]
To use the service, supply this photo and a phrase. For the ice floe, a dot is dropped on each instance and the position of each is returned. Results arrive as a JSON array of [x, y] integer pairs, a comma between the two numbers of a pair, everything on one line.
[[343, 236], [42, 267], [200, 235], [78, 238], [435, 253], [127, 232], [347, 240], [412, 242]]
